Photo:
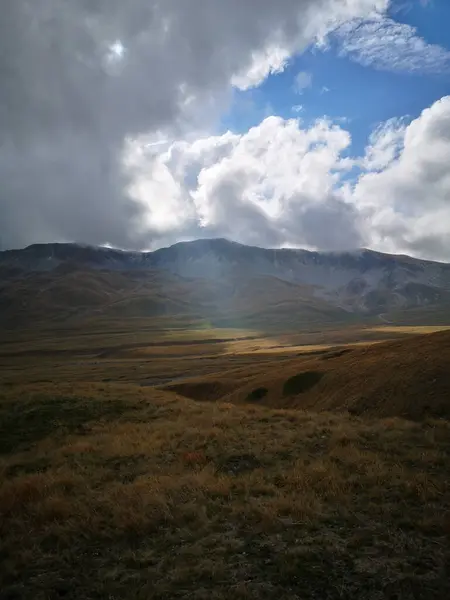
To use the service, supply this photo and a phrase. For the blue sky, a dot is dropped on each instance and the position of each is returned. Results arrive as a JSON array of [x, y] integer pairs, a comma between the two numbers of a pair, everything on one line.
[[361, 96]]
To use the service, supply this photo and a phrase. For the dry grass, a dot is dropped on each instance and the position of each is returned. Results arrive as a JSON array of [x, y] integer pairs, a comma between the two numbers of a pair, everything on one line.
[[147, 352], [118, 490], [408, 378], [409, 329], [130, 493]]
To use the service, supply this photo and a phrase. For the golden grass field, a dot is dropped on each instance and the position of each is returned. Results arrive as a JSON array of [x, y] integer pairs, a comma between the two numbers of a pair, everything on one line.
[[115, 484]]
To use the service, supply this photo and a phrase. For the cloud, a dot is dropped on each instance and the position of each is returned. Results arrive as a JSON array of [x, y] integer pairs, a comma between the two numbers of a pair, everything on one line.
[[298, 108], [409, 199], [385, 144], [274, 185], [106, 111], [385, 44], [81, 80], [282, 184], [270, 61], [302, 81]]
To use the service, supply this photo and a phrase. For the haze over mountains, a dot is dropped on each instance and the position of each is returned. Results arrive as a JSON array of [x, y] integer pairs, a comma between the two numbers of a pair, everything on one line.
[[220, 280]]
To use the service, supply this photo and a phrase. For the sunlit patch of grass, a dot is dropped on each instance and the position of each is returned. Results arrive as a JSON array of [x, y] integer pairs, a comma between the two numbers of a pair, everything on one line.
[[409, 329]]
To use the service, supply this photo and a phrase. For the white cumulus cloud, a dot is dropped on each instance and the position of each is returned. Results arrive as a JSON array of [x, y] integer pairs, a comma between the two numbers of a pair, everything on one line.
[[275, 184], [409, 199], [283, 184]]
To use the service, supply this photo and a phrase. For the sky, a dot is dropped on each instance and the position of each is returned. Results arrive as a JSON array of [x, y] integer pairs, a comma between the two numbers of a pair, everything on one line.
[[318, 124]]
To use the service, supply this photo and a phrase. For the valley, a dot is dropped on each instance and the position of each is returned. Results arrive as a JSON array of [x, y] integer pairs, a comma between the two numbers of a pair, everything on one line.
[[225, 300], [160, 442]]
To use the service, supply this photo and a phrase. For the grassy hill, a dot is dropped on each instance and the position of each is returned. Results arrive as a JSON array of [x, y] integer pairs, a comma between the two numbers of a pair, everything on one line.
[[407, 378]]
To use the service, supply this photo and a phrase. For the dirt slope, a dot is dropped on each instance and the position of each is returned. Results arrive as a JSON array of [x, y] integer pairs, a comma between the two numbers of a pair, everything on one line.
[[407, 378]]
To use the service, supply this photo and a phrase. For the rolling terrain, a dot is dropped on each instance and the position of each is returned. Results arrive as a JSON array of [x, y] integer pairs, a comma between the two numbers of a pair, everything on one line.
[[406, 378], [310, 465], [222, 283], [212, 421]]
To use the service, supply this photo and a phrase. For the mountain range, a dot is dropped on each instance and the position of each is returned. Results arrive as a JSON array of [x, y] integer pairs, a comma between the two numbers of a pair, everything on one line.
[[222, 282]]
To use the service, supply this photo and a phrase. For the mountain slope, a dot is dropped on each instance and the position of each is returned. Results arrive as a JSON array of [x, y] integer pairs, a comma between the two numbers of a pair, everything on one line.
[[221, 279], [75, 293]]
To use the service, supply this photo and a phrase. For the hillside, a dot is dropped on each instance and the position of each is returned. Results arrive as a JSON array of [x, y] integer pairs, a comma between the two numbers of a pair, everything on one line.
[[72, 295], [112, 487], [407, 378], [224, 281]]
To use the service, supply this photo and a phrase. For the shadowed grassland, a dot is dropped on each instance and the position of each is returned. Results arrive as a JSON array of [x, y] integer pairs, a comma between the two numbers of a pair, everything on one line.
[[114, 489], [133, 493]]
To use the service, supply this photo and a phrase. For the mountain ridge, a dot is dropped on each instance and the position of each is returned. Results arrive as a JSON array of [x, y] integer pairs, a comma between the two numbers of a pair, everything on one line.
[[355, 253], [221, 277]]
